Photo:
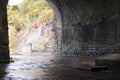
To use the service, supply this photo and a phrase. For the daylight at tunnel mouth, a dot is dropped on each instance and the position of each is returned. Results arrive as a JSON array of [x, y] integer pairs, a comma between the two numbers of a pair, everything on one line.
[[30, 27], [60, 40]]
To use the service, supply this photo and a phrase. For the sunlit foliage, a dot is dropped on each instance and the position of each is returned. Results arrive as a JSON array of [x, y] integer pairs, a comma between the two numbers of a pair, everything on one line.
[[12, 34], [25, 12], [32, 8], [21, 15], [44, 16]]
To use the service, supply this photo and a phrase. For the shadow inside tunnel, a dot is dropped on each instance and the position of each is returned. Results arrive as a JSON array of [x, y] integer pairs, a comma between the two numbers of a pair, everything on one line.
[[3, 70]]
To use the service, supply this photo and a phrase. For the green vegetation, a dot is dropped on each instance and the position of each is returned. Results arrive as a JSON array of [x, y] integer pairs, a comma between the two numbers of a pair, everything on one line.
[[32, 8], [27, 13], [41, 42]]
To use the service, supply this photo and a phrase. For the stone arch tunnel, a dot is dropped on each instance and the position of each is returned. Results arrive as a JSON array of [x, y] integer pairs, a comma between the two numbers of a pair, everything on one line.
[[85, 27]]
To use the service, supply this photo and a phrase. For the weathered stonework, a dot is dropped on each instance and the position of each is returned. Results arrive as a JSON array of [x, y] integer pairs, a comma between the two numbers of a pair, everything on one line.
[[83, 27], [4, 43], [88, 27]]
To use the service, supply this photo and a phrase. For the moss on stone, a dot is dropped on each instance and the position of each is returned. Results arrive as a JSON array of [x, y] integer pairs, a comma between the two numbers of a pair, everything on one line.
[[68, 41]]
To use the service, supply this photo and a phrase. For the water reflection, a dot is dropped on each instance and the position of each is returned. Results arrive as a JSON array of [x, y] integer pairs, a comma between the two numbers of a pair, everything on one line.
[[37, 67], [3, 70]]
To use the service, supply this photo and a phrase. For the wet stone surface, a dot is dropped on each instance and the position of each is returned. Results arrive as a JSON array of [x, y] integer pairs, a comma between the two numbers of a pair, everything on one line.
[[52, 67]]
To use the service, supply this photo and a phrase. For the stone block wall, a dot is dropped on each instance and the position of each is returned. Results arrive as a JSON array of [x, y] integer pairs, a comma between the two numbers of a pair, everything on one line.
[[88, 27], [83, 27], [4, 42]]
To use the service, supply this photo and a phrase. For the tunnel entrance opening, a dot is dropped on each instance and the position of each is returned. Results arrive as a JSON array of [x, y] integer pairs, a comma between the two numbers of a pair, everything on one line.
[[31, 27], [88, 28], [90, 31]]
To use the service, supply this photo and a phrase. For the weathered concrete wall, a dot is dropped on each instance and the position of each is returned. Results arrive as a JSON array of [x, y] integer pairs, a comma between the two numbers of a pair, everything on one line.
[[4, 43], [89, 27]]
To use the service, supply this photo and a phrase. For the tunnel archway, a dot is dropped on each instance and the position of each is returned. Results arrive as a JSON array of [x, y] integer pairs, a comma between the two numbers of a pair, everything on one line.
[[85, 27], [88, 28]]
